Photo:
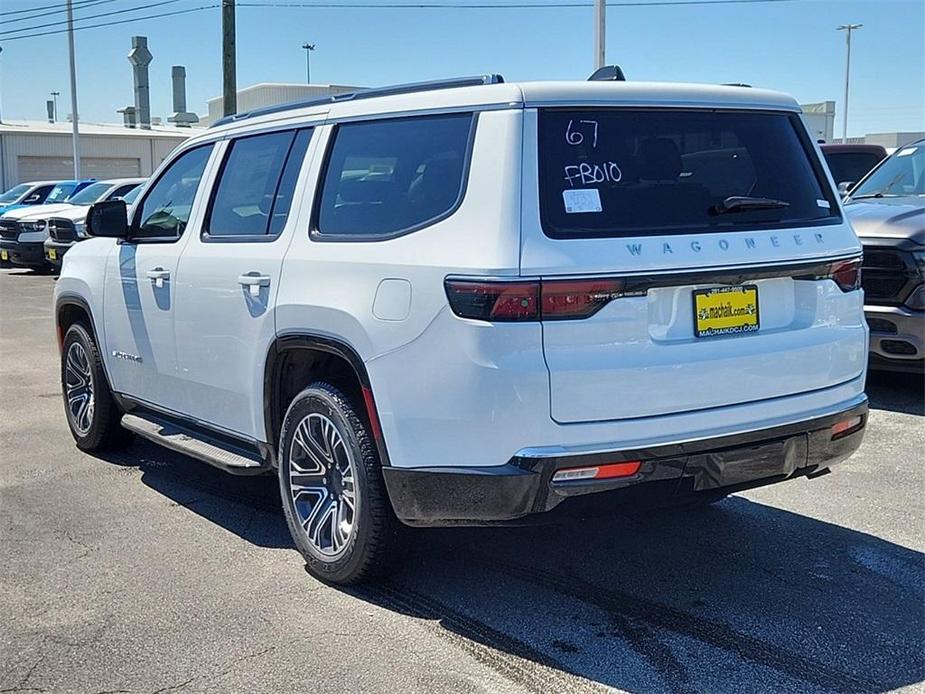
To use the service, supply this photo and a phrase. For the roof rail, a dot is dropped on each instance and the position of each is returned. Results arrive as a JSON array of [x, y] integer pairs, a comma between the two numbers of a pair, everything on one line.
[[389, 90]]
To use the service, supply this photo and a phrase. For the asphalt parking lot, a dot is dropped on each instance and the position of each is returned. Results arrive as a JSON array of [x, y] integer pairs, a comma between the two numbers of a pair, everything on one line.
[[151, 572]]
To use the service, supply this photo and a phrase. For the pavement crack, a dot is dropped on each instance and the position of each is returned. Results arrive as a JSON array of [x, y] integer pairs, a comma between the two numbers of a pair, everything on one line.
[[174, 687], [87, 549]]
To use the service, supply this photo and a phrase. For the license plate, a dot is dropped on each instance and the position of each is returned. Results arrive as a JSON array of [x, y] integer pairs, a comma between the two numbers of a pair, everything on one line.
[[52, 254], [4, 255], [725, 310]]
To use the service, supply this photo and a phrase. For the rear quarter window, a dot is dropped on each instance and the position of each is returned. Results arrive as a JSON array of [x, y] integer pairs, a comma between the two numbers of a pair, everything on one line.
[[633, 172], [385, 178]]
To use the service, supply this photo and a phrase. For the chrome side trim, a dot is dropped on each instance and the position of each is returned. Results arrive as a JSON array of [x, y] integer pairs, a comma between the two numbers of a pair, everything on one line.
[[542, 452]]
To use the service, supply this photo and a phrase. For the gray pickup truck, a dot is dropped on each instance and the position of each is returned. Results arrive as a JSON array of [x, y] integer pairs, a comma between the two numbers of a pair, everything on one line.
[[887, 210]]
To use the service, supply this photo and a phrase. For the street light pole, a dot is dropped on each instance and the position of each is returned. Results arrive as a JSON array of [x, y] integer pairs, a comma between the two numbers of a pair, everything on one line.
[[309, 47], [847, 28], [54, 98], [75, 130], [600, 11]]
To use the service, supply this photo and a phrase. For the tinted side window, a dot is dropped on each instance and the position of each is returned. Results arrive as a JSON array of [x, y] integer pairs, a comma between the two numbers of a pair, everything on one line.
[[284, 192], [40, 194], [120, 192], [166, 208], [244, 198], [391, 176]]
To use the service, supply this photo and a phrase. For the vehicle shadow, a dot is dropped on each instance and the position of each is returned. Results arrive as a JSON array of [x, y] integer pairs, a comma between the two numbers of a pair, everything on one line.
[[897, 392], [247, 506], [737, 597]]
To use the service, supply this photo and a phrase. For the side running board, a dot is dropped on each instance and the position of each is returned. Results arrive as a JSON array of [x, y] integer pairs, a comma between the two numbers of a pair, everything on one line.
[[238, 460]]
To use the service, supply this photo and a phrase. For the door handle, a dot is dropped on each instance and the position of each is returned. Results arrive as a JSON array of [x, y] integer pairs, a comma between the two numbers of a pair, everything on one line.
[[254, 281], [158, 274]]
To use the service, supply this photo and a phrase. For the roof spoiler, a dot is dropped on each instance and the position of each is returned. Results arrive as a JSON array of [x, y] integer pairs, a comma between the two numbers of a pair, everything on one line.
[[608, 73]]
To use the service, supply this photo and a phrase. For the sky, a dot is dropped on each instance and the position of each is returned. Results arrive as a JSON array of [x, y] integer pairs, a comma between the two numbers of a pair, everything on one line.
[[789, 45]]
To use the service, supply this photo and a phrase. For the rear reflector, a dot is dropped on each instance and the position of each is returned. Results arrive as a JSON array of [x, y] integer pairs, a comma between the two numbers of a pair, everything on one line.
[[847, 426], [531, 300], [599, 472]]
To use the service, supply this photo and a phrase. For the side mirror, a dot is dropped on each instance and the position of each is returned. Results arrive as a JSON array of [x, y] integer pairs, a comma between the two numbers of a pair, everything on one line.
[[845, 186], [108, 218]]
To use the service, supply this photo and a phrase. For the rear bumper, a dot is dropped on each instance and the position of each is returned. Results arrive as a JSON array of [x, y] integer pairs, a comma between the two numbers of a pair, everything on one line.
[[897, 338], [669, 474], [27, 254]]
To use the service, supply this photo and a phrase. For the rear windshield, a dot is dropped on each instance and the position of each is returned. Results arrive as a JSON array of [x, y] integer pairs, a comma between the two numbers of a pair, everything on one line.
[[850, 167], [629, 172]]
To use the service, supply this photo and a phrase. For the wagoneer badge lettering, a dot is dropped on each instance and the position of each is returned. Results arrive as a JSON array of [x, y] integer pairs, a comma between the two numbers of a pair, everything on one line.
[[127, 357], [749, 243]]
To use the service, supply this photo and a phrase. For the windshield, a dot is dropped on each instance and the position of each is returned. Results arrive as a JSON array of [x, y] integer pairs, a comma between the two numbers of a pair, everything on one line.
[[90, 194], [901, 174], [850, 167], [14, 193], [623, 171], [132, 195], [60, 193]]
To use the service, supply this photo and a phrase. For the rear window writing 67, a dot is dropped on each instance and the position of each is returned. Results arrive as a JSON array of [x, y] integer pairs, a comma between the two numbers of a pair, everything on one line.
[[615, 172]]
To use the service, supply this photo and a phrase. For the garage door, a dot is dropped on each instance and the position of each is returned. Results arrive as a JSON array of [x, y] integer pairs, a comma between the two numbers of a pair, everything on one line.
[[50, 168]]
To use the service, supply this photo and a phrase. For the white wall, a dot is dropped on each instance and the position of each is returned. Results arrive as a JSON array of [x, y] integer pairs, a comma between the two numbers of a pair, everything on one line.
[[148, 151]]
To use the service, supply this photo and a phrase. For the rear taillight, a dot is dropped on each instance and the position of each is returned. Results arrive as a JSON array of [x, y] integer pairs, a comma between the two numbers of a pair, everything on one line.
[[494, 301], [563, 299], [531, 300], [846, 274]]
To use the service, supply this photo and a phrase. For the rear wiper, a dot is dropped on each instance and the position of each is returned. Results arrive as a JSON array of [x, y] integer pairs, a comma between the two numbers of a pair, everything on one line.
[[743, 203], [873, 195]]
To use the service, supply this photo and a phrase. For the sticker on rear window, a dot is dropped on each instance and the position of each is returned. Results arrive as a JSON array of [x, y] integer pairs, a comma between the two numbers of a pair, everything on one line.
[[907, 152], [823, 203], [582, 200]]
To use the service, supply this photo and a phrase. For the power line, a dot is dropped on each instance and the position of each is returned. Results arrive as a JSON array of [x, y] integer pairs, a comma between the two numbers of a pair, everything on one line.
[[495, 6], [56, 9], [386, 5], [92, 16], [86, 4], [109, 24]]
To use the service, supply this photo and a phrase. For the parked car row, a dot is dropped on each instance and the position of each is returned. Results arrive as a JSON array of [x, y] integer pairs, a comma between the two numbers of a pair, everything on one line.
[[41, 220]]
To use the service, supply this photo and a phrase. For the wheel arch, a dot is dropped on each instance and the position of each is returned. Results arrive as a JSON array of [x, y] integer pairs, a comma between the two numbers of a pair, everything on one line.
[[336, 358], [69, 309]]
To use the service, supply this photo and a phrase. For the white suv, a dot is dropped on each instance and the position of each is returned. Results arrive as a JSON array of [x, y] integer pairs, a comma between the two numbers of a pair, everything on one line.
[[473, 301]]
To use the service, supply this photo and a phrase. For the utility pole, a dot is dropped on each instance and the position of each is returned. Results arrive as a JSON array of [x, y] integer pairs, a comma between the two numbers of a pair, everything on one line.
[[54, 98], [309, 47], [229, 78], [847, 28], [75, 130], [1, 120], [600, 23]]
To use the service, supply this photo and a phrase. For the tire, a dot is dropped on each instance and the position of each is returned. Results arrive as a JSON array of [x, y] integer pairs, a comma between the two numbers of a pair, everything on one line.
[[94, 421], [327, 451]]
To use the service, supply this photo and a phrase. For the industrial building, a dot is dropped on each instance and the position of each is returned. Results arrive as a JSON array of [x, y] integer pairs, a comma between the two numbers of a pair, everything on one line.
[[271, 94], [36, 150]]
